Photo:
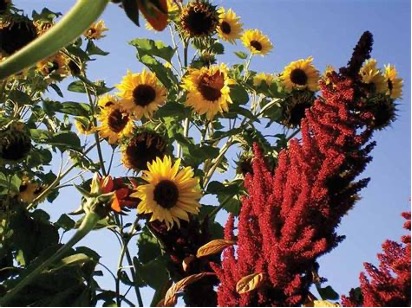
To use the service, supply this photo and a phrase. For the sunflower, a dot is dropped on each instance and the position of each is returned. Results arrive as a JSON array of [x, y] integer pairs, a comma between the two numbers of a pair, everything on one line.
[[56, 64], [259, 78], [394, 83], [15, 142], [208, 90], [229, 28], [30, 190], [116, 123], [142, 93], [170, 194], [16, 34], [373, 77], [96, 30], [256, 42], [4, 5], [300, 75], [142, 149], [199, 19]]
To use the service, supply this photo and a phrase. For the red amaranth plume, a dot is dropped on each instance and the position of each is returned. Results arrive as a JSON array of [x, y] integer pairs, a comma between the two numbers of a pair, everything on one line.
[[289, 218], [390, 284]]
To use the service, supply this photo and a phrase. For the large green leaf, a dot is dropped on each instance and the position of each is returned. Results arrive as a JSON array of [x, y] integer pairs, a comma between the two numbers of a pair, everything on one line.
[[65, 140], [148, 246], [153, 48]]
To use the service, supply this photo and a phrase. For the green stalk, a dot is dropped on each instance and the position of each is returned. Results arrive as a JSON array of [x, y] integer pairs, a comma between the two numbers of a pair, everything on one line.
[[86, 226], [70, 27]]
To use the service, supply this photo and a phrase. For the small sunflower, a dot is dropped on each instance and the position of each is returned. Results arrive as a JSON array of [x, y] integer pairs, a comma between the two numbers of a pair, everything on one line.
[[199, 19], [256, 42], [142, 149], [16, 34], [29, 191], [230, 27], [142, 93], [294, 106], [300, 75], [4, 5], [208, 90], [394, 83], [260, 78], [84, 126], [170, 194], [96, 30], [116, 123], [56, 64], [373, 77]]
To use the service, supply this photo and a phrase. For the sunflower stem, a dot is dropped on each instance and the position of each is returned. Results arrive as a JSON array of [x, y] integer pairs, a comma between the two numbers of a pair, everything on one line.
[[86, 226], [71, 26]]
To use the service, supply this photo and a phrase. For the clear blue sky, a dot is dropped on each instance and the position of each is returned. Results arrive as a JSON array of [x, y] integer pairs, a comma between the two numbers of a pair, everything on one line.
[[326, 30]]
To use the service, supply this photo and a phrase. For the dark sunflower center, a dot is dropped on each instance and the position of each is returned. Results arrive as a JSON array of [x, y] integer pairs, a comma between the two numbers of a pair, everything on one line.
[[257, 45], [143, 95], [210, 86], [15, 148], [299, 77], [117, 121], [16, 36], [166, 194], [199, 21], [74, 68], [143, 149], [225, 27]]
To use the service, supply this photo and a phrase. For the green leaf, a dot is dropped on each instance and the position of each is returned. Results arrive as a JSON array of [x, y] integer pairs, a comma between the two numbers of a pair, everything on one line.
[[65, 222], [172, 109], [75, 108], [56, 89], [153, 48], [242, 55], [77, 86], [154, 273], [92, 49], [164, 74], [89, 252], [148, 246], [328, 293], [65, 140], [238, 94], [20, 98], [217, 48], [15, 182], [131, 8], [75, 259], [109, 303]]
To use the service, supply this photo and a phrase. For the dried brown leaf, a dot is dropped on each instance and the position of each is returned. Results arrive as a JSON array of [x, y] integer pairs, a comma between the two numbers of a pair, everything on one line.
[[249, 283], [213, 247]]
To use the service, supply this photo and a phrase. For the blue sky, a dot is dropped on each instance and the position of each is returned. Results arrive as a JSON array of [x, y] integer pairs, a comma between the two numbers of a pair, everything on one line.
[[328, 31]]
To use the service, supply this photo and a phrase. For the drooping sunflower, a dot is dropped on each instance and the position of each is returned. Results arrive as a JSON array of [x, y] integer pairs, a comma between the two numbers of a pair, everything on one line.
[[373, 77], [300, 75], [16, 34], [256, 42], [96, 30], [142, 94], [208, 90], [170, 194], [56, 64], [230, 27], [394, 83], [116, 123], [142, 149], [15, 142], [199, 19]]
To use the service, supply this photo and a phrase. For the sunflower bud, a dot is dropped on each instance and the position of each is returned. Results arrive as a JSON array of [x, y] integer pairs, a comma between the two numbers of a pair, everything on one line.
[[100, 197]]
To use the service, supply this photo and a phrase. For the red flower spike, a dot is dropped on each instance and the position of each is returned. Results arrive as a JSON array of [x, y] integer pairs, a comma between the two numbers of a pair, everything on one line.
[[390, 284], [289, 218]]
